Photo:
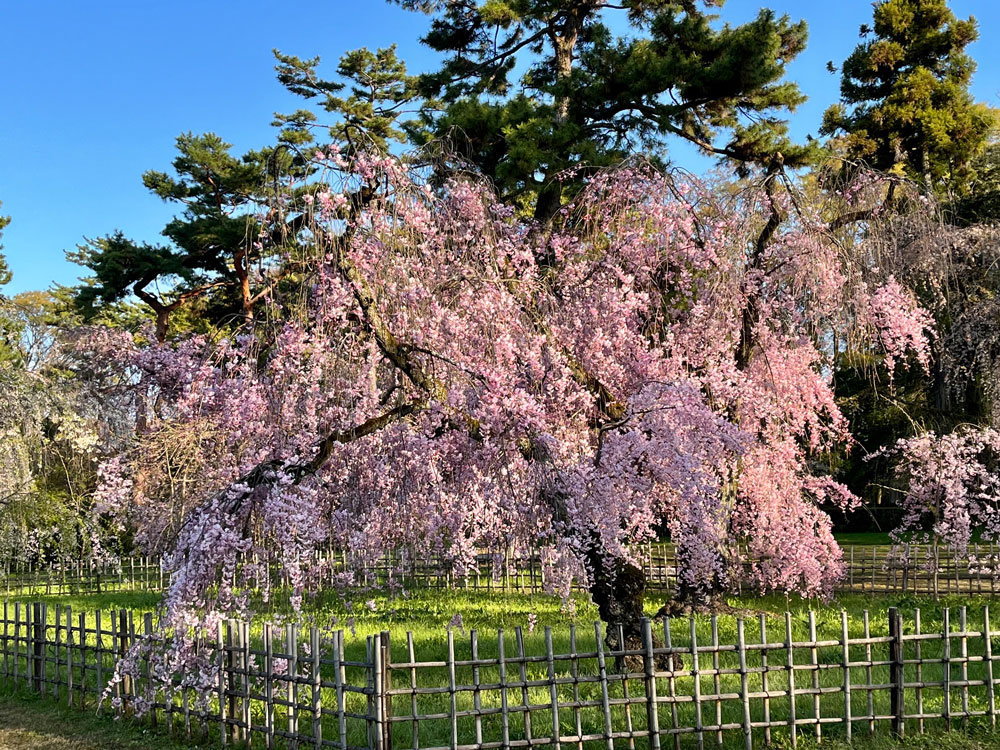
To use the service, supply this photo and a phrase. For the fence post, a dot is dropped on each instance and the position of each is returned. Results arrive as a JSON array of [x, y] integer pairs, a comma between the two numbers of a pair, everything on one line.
[[896, 671], [649, 662], [316, 697], [123, 647], [232, 705], [38, 645], [385, 682], [741, 647], [988, 659], [373, 659]]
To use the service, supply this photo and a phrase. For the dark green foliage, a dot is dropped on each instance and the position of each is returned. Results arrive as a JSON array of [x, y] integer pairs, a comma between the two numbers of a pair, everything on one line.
[[906, 105], [530, 88], [981, 204], [377, 88], [122, 267], [880, 412], [214, 241]]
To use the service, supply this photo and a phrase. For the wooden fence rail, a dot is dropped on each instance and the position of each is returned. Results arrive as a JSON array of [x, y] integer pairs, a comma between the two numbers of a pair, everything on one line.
[[739, 683], [915, 569]]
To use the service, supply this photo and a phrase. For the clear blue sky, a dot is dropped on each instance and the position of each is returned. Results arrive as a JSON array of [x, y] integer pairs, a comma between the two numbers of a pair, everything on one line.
[[95, 93]]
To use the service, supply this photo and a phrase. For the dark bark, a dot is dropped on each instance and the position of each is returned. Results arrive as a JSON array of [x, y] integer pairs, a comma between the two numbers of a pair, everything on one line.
[[618, 588], [751, 313]]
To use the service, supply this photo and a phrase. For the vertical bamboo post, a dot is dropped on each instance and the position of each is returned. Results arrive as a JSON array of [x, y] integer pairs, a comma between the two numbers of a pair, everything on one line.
[[896, 671], [17, 637], [696, 674], [868, 671], [69, 652], [553, 691], [919, 671], [814, 659], [99, 650], [762, 618], [626, 699], [58, 652], [229, 689], [504, 714], [649, 664], [946, 665], [220, 658], [316, 697], [741, 647], [846, 644], [38, 646], [116, 653], [574, 666], [789, 644], [269, 686], [133, 682], [937, 570], [605, 700], [964, 665], [414, 723], [338, 677], [874, 566], [979, 568], [82, 640], [988, 659], [123, 646], [6, 639], [716, 682], [385, 647], [373, 712], [671, 681], [452, 690], [523, 671], [292, 652], [245, 661]]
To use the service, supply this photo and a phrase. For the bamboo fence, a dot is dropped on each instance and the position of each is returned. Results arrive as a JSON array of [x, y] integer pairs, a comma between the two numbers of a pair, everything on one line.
[[910, 569], [680, 684]]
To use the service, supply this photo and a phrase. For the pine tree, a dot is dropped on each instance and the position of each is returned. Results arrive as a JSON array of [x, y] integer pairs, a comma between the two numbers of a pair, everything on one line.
[[532, 88], [216, 267], [215, 241], [905, 101]]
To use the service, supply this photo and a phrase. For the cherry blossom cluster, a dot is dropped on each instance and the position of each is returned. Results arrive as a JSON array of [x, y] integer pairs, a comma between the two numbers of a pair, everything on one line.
[[952, 486]]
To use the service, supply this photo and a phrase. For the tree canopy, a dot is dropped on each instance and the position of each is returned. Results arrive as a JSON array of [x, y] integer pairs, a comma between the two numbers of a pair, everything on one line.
[[905, 100], [533, 88]]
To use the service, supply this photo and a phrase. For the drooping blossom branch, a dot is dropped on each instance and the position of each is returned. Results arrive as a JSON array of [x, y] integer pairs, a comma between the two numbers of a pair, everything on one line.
[[439, 387]]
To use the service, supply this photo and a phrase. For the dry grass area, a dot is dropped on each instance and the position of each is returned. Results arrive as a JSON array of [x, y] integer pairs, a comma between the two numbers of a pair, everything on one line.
[[34, 723]]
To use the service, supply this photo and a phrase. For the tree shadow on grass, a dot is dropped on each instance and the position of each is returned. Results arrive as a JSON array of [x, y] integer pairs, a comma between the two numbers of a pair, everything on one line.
[[40, 723]]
